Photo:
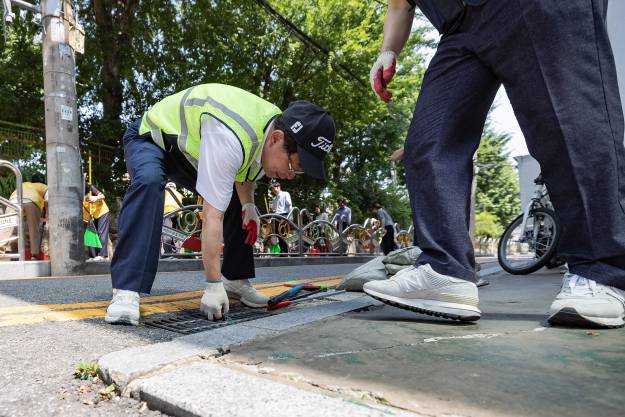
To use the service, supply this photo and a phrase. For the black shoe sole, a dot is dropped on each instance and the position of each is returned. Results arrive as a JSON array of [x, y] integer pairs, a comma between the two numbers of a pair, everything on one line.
[[568, 316], [428, 312]]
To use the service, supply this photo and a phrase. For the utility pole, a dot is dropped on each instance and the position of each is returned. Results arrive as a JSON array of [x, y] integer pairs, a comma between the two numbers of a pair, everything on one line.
[[65, 191], [62, 38]]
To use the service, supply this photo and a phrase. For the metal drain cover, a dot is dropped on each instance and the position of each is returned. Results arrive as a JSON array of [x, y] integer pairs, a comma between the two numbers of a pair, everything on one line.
[[188, 322]]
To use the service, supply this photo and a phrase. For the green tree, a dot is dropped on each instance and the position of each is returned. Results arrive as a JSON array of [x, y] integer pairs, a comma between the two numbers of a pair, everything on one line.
[[139, 52], [497, 181], [487, 225]]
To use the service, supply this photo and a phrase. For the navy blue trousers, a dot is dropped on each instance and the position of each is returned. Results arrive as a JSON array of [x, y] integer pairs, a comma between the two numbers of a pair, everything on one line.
[[135, 260], [555, 61]]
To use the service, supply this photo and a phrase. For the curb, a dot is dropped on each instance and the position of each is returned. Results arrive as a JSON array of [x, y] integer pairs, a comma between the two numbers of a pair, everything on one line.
[[177, 265], [217, 390], [125, 366]]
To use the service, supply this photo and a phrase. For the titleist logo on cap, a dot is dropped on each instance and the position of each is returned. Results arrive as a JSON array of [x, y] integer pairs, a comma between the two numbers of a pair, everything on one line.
[[323, 144]]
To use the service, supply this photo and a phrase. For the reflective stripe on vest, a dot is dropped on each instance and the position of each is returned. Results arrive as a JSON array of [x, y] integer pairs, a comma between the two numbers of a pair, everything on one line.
[[156, 133], [182, 115], [209, 100]]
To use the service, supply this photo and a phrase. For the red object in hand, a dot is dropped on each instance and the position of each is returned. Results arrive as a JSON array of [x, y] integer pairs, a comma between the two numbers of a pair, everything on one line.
[[250, 223], [382, 73]]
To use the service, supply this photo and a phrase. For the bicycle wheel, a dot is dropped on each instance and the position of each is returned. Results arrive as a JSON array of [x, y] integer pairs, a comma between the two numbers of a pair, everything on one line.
[[522, 252]]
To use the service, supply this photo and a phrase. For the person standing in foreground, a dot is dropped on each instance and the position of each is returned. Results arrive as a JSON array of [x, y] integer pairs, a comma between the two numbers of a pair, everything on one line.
[[217, 140], [556, 63], [388, 240]]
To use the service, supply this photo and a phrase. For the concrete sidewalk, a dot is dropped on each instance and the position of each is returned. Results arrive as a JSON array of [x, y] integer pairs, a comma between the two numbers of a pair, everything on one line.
[[327, 359]]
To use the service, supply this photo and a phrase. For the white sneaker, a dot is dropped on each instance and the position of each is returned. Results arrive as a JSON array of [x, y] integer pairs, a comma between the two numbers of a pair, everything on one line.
[[423, 290], [583, 302], [242, 289], [124, 308]]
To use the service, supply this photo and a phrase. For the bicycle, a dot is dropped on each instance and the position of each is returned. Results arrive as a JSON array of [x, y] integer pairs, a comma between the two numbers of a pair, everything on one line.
[[530, 241]]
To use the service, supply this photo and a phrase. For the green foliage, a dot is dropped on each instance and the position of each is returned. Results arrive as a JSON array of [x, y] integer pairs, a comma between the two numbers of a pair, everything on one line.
[[487, 225], [497, 181], [108, 392], [21, 69], [85, 370], [7, 184], [139, 52]]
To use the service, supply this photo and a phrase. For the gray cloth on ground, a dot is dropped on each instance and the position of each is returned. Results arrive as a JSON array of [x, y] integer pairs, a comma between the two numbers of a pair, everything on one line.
[[403, 256], [380, 268], [372, 270]]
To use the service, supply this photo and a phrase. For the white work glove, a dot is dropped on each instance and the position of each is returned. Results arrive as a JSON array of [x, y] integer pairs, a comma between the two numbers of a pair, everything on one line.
[[251, 222], [382, 73], [215, 300]]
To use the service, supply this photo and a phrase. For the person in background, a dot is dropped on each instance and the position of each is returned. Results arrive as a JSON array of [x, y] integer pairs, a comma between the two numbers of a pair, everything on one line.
[[94, 207], [320, 214], [34, 198], [173, 201], [282, 205], [342, 215], [386, 221]]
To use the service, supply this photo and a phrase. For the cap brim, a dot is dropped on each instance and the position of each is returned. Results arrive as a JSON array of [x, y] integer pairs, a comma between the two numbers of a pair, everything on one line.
[[311, 165]]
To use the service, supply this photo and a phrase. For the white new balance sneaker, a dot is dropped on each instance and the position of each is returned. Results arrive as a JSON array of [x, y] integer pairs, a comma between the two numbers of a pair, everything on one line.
[[583, 302], [124, 308], [242, 289], [423, 290]]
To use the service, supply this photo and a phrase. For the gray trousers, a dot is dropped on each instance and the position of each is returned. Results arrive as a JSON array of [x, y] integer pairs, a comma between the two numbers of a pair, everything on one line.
[[555, 61]]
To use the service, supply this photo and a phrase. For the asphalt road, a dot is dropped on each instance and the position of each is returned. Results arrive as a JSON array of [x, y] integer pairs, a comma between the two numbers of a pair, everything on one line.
[[37, 360]]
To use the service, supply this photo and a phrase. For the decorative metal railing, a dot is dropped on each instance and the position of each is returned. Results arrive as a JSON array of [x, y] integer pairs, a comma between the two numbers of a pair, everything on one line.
[[295, 232], [11, 218]]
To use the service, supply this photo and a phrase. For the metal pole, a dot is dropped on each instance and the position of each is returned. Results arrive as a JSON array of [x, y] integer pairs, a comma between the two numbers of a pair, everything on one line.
[[63, 156], [473, 198]]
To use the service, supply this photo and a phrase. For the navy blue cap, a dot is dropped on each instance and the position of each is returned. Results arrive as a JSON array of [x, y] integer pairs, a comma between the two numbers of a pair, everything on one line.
[[313, 130]]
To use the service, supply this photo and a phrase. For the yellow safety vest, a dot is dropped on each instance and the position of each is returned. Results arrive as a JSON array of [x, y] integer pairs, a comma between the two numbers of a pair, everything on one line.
[[93, 210], [180, 116]]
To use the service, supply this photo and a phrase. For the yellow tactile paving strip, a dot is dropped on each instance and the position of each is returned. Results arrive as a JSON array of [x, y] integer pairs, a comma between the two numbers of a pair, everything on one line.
[[35, 313]]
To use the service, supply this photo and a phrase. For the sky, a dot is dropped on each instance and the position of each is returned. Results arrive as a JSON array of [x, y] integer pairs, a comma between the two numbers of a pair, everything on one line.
[[503, 121]]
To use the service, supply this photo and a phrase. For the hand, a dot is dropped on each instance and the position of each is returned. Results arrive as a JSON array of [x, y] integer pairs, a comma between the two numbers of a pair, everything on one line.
[[92, 199], [251, 222], [398, 155], [214, 302], [382, 73]]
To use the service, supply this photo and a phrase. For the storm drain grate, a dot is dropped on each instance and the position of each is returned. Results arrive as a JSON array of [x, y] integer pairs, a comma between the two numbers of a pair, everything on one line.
[[188, 322]]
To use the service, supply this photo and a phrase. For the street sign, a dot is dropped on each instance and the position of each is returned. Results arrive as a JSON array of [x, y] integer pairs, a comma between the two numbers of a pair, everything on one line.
[[8, 221]]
